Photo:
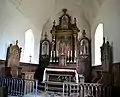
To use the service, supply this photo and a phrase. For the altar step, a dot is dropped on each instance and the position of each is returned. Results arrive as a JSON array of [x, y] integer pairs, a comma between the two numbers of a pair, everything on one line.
[[51, 87], [41, 86]]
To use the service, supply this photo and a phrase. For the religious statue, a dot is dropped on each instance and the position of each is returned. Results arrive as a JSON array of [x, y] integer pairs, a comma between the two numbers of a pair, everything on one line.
[[14, 55], [62, 45], [84, 47], [12, 62], [45, 48], [64, 20]]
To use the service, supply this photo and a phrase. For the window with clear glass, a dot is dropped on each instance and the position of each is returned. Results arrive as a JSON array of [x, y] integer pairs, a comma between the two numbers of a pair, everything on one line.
[[29, 45], [98, 43]]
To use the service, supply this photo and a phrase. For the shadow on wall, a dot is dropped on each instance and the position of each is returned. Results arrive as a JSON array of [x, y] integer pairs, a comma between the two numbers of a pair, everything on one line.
[[40, 70]]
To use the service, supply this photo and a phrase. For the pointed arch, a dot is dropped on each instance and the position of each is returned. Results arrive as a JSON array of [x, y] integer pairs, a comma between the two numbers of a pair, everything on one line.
[[29, 45], [98, 43]]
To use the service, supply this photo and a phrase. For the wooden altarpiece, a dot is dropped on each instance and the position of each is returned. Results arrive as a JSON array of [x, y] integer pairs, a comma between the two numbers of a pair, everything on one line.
[[12, 68], [64, 40], [63, 53]]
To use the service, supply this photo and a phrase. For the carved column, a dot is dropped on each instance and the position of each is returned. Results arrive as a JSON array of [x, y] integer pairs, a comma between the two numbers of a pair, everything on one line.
[[53, 42], [75, 47], [76, 30]]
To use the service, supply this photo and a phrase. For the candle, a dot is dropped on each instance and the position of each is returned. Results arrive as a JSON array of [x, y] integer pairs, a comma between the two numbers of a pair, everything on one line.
[[71, 53], [68, 53], [51, 54], [57, 53], [75, 53], [54, 54]]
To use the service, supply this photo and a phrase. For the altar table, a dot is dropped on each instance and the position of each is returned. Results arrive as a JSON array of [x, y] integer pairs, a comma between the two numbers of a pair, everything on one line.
[[61, 69]]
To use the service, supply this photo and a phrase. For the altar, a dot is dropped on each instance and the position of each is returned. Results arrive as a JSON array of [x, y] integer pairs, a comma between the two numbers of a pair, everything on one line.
[[70, 73], [67, 57]]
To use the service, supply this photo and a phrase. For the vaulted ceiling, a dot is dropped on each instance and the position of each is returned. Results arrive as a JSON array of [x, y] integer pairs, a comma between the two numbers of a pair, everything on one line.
[[38, 11]]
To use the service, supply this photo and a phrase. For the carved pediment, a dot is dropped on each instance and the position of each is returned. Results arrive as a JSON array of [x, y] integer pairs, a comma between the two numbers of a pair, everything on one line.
[[65, 23], [84, 46]]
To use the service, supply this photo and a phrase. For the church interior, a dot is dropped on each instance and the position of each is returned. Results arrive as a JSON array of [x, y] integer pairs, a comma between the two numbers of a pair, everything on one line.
[[64, 48]]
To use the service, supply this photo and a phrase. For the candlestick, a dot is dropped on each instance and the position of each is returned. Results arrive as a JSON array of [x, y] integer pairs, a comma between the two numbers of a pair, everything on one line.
[[57, 53], [51, 57], [57, 60], [54, 54], [71, 54], [75, 53], [68, 54], [30, 62], [51, 54], [71, 57]]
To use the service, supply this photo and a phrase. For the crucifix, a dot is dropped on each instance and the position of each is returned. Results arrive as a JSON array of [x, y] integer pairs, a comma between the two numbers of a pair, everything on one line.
[[30, 62], [45, 49], [30, 58]]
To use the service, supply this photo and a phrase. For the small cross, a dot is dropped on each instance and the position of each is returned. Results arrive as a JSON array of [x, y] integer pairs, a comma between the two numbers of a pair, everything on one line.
[[64, 10], [16, 42], [84, 33], [45, 35], [30, 58], [74, 20], [54, 23]]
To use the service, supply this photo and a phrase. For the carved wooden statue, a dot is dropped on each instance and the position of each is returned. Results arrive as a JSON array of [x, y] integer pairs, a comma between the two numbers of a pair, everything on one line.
[[106, 59], [106, 56], [13, 58]]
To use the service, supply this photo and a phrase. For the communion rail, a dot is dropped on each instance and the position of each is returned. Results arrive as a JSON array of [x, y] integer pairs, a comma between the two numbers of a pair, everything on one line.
[[78, 90], [19, 87]]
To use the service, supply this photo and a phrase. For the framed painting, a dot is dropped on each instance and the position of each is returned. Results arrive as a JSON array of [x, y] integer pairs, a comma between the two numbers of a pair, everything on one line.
[[64, 43]]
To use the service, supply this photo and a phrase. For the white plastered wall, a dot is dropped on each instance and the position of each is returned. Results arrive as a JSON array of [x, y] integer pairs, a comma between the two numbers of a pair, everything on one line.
[[109, 15], [13, 25], [73, 10]]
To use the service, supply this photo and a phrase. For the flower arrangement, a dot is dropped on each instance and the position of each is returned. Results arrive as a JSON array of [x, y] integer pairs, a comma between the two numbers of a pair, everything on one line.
[[63, 78]]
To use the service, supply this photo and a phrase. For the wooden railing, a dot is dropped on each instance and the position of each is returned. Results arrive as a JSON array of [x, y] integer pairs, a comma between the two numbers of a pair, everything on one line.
[[78, 90], [19, 87]]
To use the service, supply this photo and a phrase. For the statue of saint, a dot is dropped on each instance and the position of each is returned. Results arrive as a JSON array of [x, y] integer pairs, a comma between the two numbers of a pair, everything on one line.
[[83, 48], [14, 55], [65, 22]]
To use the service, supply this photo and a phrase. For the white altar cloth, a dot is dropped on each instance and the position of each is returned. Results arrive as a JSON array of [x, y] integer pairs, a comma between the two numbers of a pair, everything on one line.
[[62, 70]]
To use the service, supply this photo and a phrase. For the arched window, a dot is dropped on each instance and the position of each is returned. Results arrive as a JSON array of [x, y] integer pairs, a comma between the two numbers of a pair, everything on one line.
[[29, 45], [98, 43]]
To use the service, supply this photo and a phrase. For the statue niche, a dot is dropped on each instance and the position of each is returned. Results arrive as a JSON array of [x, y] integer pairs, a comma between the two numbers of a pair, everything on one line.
[[44, 49], [84, 56], [12, 60]]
